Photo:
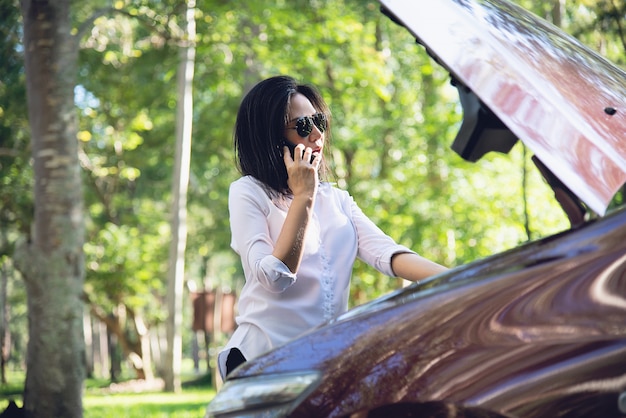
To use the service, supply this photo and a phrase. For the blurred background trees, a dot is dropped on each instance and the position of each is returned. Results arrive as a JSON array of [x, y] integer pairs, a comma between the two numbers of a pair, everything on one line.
[[394, 118]]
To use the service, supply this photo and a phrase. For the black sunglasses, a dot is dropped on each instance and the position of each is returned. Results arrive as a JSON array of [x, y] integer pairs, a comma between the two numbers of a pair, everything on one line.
[[304, 124]]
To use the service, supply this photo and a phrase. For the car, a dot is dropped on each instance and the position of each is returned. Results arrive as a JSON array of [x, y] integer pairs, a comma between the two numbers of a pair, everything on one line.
[[535, 331]]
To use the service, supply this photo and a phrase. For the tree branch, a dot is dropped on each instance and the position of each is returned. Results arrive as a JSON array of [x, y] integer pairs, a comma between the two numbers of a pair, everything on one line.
[[7, 152], [148, 23], [89, 22]]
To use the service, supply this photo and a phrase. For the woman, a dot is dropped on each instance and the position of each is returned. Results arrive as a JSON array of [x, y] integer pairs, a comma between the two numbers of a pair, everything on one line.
[[297, 237]]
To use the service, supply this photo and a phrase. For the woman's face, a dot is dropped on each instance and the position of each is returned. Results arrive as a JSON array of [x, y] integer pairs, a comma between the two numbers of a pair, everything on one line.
[[303, 115]]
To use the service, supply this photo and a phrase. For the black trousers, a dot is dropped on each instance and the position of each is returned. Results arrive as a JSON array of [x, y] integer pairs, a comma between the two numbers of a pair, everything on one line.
[[234, 360]]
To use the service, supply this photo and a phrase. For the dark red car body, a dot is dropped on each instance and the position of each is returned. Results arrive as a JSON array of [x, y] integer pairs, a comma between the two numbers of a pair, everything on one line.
[[537, 331]]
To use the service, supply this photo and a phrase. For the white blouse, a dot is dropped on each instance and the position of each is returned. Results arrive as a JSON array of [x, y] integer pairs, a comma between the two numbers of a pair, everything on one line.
[[276, 305]]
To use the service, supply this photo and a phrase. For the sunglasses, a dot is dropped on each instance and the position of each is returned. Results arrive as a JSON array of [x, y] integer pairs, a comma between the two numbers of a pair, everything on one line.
[[304, 124]]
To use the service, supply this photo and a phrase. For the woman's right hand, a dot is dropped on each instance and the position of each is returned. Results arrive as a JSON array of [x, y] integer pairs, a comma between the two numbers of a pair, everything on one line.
[[302, 173]]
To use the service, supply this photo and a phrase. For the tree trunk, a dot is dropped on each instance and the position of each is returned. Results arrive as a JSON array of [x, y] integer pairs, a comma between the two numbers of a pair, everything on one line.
[[89, 350], [52, 260], [558, 6], [136, 351], [4, 321], [179, 207]]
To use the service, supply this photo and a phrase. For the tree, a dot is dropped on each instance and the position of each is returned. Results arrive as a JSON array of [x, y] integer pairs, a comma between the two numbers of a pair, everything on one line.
[[51, 260], [180, 184]]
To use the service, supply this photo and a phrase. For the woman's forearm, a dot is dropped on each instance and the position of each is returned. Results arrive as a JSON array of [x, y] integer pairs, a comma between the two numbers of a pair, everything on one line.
[[290, 243], [414, 267]]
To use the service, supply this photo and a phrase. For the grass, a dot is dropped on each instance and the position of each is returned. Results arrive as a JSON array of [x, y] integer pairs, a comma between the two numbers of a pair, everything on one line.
[[99, 402], [189, 403]]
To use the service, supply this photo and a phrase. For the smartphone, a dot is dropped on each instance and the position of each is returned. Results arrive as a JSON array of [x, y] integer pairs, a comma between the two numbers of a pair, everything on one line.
[[292, 146], [289, 145]]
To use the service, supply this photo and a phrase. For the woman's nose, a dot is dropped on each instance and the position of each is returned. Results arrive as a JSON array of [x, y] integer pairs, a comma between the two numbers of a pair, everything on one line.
[[315, 134]]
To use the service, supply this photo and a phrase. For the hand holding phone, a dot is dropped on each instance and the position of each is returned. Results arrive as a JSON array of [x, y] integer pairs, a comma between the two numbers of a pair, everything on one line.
[[292, 147]]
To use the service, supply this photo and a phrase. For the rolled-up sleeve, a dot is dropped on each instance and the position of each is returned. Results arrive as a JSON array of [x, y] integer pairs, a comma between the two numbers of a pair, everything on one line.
[[249, 208], [277, 275]]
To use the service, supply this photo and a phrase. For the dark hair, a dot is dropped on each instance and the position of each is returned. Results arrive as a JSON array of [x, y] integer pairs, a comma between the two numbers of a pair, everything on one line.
[[260, 126]]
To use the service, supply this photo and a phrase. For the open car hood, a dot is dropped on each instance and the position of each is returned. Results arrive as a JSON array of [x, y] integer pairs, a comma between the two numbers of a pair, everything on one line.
[[564, 101]]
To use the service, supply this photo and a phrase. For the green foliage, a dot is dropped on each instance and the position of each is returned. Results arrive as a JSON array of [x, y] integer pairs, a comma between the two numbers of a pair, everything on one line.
[[15, 174], [117, 251]]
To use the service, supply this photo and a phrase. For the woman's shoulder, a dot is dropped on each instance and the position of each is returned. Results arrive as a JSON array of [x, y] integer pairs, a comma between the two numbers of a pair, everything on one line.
[[248, 188], [332, 190], [246, 183], [243, 180], [330, 187]]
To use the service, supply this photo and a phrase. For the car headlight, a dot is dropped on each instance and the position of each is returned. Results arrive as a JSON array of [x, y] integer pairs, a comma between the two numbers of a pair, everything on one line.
[[262, 396]]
